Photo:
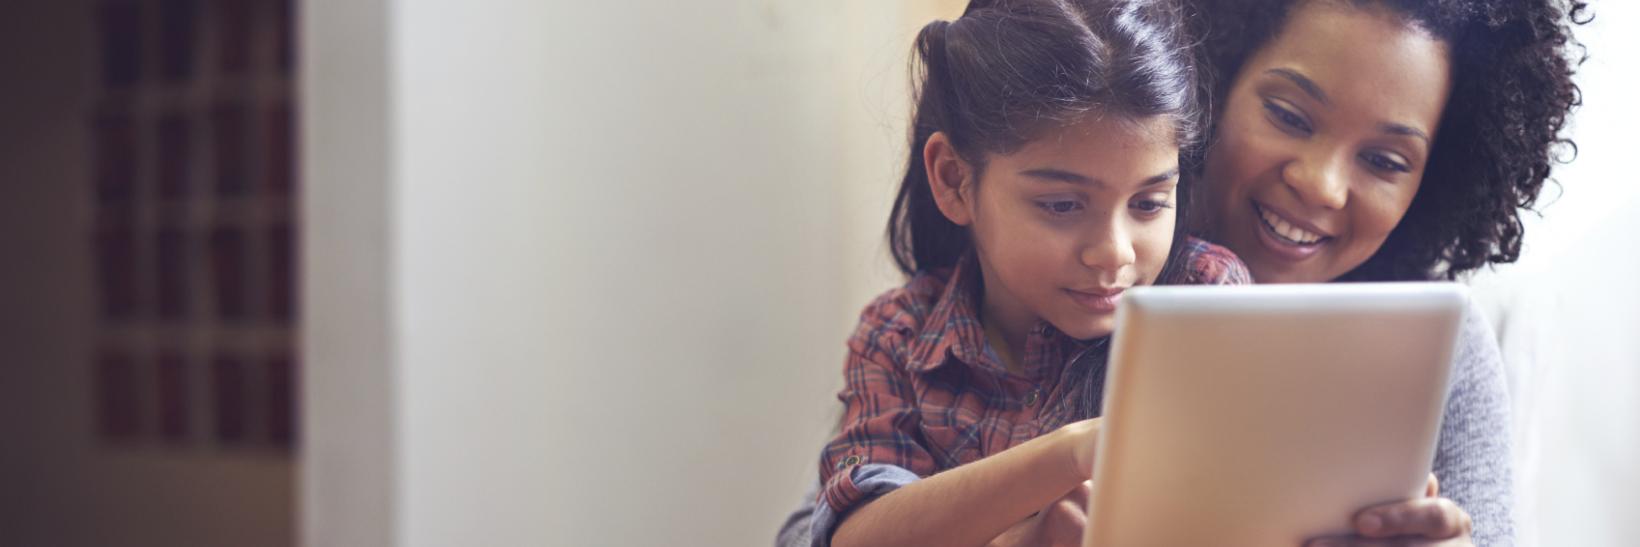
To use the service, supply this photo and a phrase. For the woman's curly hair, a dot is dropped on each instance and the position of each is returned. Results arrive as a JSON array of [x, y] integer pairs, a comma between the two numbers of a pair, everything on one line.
[[1499, 136]]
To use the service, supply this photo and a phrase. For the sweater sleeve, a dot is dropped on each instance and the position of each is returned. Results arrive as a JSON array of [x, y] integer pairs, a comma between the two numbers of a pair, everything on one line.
[[1472, 457], [794, 532]]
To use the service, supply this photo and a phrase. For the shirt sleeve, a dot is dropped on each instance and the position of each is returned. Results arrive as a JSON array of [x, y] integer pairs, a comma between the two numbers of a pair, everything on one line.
[[1472, 456], [794, 532], [881, 425], [873, 480], [1209, 264]]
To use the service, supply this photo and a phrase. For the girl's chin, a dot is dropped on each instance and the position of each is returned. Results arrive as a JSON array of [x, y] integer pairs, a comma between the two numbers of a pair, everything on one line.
[[1088, 330]]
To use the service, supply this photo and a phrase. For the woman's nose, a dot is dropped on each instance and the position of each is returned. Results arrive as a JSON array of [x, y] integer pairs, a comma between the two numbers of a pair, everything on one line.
[[1319, 179]]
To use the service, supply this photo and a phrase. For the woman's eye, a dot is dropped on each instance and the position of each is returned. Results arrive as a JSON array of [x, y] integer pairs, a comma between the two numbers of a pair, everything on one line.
[[1059, 207], [1287, 117], [1384, 163]]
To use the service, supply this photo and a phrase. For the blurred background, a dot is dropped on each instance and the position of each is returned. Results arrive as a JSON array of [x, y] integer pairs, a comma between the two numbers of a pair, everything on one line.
[[507, 272]]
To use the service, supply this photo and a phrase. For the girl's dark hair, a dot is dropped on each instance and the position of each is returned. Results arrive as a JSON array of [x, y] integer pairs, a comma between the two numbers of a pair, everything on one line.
[[1512, 65], [1009, 70]]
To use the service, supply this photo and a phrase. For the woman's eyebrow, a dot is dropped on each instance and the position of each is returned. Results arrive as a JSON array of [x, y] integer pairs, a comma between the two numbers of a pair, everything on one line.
[[1303, 82], [1309, 86], [1402, 129]]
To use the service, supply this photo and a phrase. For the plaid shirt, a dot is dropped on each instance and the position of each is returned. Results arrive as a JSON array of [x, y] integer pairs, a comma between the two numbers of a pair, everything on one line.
[[925, 393]]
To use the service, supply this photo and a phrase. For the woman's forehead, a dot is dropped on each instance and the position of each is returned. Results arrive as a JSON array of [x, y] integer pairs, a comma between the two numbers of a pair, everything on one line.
[[1363, 58]]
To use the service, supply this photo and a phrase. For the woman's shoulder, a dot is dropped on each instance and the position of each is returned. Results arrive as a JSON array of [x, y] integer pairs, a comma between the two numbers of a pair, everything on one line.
[[1210, 264], [1477, 352]]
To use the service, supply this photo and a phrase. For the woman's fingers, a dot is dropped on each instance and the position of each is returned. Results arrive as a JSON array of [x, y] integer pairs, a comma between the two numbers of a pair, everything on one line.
[[1433, 518], [1425, 522], [1357, 541]]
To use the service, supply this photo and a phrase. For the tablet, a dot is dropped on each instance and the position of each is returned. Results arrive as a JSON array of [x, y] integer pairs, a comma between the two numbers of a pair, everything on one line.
[[1269, 414]]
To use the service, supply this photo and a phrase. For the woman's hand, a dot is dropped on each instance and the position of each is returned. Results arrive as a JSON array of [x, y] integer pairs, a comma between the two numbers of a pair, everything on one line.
[[1425, 522], [1060, 524]]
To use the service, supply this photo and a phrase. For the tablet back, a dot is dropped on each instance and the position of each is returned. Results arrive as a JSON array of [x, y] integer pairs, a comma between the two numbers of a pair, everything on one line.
[[1266, 415]]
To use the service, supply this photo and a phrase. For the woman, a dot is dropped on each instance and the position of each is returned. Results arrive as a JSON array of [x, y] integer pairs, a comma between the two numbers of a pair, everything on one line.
[[1383, 140], [1409, 159]]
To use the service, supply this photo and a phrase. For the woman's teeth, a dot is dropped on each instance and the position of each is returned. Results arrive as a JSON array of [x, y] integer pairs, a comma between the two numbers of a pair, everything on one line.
[[1287, 230]]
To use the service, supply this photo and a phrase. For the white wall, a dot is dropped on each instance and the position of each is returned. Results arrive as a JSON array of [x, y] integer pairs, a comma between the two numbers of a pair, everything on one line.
[[349, 385], [581, 273], [1568, 315]]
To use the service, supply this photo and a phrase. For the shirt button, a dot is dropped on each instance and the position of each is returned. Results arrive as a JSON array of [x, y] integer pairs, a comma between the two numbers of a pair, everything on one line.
[[1030, 398], [851, 460]]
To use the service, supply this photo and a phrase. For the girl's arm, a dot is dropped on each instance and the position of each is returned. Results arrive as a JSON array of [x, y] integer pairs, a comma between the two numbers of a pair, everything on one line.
[[972, 504]]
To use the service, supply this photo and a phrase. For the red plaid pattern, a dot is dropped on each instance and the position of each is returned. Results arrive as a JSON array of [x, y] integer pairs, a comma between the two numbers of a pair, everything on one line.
[[923, 392]]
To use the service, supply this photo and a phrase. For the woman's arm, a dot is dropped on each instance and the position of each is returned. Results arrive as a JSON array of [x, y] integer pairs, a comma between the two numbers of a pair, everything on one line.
[[1472, 459], [972, 504]]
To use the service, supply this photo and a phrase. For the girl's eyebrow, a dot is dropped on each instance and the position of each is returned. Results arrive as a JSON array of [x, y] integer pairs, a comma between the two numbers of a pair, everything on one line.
[[1060, 175]]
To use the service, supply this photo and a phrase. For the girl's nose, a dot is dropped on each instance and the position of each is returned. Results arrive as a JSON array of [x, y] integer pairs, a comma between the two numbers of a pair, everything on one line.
[[1109, 251]]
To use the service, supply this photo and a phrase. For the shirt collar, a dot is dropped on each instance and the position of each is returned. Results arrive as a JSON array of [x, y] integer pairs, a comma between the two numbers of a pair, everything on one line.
[[953, 329]]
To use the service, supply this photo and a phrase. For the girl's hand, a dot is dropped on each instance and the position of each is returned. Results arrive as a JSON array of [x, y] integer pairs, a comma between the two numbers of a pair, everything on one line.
[[1084, 439], [1060, 524], [1428, 521]]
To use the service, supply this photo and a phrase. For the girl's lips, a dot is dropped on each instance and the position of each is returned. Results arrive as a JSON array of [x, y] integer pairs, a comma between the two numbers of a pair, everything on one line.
[[1099, 300], [1280, 246]]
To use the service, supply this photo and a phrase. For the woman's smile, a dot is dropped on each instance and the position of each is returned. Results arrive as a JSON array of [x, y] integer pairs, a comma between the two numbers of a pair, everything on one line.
[[1285, 235], [1313, 164]]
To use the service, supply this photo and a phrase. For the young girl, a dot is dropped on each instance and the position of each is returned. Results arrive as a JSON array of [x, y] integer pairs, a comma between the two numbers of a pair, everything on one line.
[[1042, 183]]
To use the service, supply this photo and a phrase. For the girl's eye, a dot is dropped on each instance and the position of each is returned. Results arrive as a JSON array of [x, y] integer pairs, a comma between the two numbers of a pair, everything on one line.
[[1059, 207], [1382, 162], [1151, 206], [1288, 119]]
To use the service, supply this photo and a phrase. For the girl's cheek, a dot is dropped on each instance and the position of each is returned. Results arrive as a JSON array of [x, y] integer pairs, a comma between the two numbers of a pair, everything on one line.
[[1153, 249]]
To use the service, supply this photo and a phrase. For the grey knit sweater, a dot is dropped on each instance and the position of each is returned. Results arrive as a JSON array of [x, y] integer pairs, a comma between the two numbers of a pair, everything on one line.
[[1471, 461]]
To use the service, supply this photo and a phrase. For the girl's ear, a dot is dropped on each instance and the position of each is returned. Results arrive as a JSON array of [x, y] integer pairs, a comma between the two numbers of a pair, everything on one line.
[[949, 179]]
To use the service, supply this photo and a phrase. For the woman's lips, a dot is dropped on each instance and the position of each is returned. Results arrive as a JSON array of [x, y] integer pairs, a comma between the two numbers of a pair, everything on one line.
[[1282, 246], [1097, 300]]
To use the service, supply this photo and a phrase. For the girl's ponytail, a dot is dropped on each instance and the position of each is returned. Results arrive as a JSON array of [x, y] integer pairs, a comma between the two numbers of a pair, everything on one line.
[[919, 235]]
